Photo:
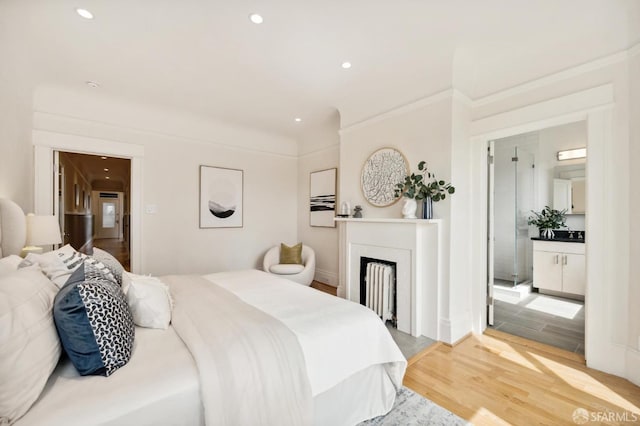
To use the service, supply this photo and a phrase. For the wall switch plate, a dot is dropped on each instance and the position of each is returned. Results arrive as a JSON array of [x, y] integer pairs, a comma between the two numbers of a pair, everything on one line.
[[151, 209]]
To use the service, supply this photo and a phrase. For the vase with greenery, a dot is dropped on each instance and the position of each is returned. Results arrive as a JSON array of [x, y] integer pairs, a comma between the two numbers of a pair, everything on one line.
[[547, 220], [422, 186]]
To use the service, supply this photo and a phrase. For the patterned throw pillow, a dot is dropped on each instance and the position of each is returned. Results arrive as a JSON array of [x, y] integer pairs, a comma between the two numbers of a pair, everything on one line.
[[58, 265], [93, 321], [291, 255], [110, 262]]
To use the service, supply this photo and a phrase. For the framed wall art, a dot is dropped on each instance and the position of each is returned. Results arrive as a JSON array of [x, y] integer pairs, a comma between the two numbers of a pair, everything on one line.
[[221, 197], [322, 198], [381, 172]]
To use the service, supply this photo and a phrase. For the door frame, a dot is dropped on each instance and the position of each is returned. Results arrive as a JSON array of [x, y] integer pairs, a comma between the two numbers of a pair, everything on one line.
[[596, 107], [45, 143]]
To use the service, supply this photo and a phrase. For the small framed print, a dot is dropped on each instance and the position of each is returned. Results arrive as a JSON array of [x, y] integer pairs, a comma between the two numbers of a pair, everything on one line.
[[221, 197], [322, 198]]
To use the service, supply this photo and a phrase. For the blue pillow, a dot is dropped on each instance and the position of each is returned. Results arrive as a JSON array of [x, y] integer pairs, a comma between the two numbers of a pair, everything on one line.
[[93, 321]]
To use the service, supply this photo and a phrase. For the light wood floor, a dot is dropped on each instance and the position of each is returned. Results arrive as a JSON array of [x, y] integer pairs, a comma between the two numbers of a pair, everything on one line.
[[497, 378], [324, 287]]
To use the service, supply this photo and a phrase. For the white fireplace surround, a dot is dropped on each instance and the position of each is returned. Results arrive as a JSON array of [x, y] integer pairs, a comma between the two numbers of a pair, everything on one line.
[[414, 245]]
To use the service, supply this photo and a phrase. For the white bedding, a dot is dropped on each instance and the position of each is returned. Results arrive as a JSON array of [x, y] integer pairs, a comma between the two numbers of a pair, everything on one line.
[[338, 337], [352, 364], [159, 382], [251, 368]]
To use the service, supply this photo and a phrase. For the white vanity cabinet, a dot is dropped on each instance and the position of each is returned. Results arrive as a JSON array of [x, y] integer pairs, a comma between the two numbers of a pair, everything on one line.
[[559, 266]]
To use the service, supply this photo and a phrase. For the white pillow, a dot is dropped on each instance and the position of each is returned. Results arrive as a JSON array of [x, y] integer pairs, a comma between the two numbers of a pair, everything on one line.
[[58, 265], [9, 264], [149, 300], [29, 344], [52, 267]]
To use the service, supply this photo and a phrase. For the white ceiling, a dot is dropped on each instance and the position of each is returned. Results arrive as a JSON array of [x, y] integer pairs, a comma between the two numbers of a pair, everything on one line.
[[205, 57]]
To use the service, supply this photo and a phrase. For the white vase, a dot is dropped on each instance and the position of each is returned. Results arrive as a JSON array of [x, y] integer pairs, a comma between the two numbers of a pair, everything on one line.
[[409, 208], [548, 233]]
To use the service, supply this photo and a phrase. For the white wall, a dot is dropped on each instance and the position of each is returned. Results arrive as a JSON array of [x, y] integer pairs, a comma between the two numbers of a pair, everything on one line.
[[16, 161], [175, 145], [423, 132], [634, 209], [319, 150], [433, 130]]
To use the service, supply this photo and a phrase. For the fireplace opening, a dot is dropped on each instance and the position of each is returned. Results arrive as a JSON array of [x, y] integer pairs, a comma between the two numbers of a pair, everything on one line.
[[378, 287]]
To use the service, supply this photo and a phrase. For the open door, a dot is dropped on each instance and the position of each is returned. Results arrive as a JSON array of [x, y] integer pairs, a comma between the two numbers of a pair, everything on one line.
[[58, 189], [108, 215], [490, 231]]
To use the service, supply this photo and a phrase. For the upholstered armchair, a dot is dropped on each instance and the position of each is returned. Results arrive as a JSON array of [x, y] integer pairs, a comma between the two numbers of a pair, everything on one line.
[[302, 274]]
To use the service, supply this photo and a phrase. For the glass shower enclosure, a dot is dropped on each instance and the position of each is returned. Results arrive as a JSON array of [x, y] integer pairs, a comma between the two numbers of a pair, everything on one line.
[[513, 201]]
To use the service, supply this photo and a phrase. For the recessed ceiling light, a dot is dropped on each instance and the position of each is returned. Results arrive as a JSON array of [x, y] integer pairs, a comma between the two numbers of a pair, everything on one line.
[[256, 19], [104, 158], [107, 177], [297, 119], [84, 13], [346, 65], [106, 170], [92, 84]]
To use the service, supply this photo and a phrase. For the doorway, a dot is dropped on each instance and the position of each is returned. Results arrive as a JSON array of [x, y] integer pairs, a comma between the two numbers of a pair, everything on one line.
[[93, 193], [526, 300]]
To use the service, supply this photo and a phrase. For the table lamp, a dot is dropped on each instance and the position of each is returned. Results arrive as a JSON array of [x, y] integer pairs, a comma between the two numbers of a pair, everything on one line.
[[41, 230]]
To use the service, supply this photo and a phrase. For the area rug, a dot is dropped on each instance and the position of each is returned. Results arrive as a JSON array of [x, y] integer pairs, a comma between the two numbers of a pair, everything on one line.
[[411, 409]]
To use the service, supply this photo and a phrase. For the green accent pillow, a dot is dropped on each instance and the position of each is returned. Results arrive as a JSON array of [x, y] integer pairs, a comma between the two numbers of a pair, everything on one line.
[[291, 255]]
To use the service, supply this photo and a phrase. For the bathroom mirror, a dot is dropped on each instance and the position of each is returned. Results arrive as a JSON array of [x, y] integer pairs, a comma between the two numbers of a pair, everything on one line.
[[569, 189]]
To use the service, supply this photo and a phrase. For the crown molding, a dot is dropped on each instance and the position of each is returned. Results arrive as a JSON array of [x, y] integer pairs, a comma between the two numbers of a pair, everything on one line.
[[319, 151], [553, 78], [399, 110], [498, 96]]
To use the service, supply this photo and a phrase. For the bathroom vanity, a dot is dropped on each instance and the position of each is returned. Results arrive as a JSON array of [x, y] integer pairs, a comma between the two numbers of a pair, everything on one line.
[[559, 266]]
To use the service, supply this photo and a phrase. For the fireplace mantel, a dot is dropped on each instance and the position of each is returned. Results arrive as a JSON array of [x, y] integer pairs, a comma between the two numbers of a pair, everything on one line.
[[389, 220], [415, 245]]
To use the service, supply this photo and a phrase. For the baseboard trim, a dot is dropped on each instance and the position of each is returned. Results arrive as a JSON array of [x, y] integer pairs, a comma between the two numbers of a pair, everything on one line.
[[327, 277], [633, 366], [460, 340], [455, 330]]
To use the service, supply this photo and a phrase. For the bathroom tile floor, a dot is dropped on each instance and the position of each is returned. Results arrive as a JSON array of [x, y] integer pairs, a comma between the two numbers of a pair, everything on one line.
[[546, 319]]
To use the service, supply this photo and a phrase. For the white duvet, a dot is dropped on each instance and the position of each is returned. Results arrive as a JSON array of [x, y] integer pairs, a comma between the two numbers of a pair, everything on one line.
[[338, 338]]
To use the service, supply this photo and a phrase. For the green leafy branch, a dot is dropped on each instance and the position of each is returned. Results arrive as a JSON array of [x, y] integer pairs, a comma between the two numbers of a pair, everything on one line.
[[423, 185]]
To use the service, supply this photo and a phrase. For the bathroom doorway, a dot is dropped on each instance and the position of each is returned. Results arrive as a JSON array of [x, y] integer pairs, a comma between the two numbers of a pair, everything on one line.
[[521, 174]]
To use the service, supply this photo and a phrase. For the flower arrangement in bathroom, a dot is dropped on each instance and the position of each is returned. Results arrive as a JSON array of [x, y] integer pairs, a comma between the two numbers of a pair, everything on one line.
[[547, 220], [422, 186]]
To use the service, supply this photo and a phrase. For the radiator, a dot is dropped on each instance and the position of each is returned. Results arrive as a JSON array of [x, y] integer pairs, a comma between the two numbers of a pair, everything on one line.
[[380, 289]]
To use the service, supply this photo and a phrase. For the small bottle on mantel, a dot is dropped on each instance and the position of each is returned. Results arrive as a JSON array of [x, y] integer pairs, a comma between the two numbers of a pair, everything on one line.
[[345, 209], [357, 212]]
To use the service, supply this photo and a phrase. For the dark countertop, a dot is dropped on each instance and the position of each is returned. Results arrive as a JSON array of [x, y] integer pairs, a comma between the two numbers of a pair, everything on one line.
[[560, 240], [563, 236]]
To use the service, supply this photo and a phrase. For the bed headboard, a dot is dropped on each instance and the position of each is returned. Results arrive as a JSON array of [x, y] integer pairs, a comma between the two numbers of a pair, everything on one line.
[[13, 228]]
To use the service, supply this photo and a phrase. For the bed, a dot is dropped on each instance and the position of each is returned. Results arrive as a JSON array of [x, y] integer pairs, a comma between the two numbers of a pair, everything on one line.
[[244, 347]]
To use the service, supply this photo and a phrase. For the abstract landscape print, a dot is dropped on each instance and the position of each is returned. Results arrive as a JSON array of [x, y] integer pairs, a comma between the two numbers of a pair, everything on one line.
[[221, 197], [322, 197]]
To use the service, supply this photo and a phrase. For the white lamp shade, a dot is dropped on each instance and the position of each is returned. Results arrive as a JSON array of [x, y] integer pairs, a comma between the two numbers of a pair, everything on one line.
[[42, 230]]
